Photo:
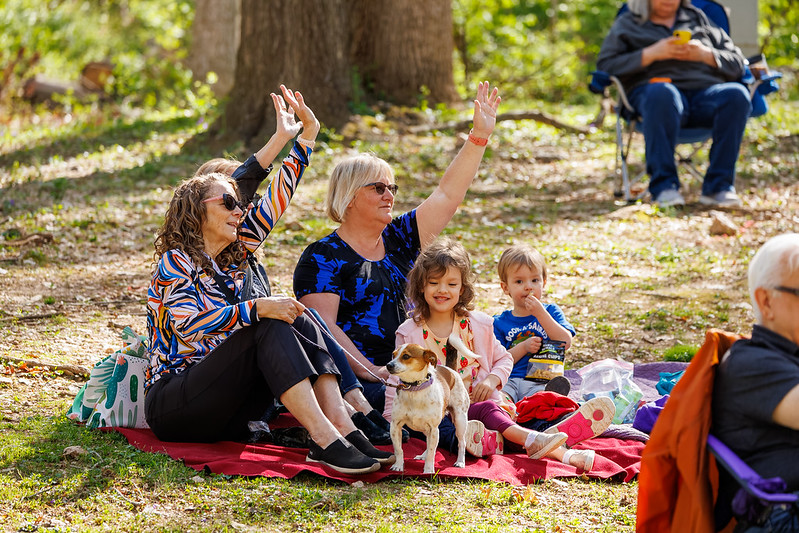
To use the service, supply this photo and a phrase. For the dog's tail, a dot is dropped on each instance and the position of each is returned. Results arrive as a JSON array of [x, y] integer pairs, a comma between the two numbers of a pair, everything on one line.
[[455, 341]]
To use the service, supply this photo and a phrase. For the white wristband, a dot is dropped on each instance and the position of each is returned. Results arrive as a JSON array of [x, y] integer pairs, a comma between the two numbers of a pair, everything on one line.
[[306, 142]]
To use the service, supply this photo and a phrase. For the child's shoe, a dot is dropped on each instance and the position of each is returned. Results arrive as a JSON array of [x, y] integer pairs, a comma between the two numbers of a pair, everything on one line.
[[539, 444], [481, 442], [590, 420], [580, 459]]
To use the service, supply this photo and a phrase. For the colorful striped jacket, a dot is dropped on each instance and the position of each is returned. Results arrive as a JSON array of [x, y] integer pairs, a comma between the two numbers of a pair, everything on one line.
[[187, 315]]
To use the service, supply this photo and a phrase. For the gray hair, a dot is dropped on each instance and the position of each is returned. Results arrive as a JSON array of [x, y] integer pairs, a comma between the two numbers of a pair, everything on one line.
[[772, 263], [349, 176], [641, 8]]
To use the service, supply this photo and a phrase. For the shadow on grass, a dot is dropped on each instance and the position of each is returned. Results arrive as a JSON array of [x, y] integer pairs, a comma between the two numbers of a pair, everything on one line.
[[91, 139], [101, 187]]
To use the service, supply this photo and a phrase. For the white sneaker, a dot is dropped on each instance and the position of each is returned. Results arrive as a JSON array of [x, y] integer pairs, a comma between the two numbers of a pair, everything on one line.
[[580, 459], [539, 444], [669, 197], [481, 442], [721, 199]]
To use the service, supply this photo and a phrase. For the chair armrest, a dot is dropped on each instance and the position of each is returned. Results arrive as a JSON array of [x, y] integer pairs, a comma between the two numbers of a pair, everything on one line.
[[601, 80], [749, 480]]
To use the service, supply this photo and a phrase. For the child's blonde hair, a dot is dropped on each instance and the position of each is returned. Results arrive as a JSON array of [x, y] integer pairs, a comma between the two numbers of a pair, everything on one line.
[[521, 255], [434, 261]]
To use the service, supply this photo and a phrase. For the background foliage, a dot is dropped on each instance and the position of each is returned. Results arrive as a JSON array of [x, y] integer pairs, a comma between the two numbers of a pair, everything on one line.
[[145, 40], [534, 49]]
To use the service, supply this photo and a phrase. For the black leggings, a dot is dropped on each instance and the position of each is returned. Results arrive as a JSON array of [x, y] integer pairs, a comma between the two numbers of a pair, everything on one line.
[[214, 399]]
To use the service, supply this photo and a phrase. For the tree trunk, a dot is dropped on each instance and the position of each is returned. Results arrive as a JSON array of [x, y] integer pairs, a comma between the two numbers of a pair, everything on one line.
[[401, 46], [318, 46], [301, 44], [216, 33]]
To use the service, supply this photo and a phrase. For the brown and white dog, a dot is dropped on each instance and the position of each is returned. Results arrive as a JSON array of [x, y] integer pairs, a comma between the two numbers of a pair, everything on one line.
[[426, 393]]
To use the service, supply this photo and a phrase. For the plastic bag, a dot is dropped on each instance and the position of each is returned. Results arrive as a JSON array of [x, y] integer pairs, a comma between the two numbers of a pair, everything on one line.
[[613, 379]]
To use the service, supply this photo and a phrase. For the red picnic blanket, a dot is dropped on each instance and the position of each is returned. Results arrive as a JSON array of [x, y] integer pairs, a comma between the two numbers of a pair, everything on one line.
[[616, 459]]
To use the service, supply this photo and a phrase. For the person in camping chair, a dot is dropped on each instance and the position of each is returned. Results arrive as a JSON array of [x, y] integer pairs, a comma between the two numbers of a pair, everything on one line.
[[756, 393], [674, 84]]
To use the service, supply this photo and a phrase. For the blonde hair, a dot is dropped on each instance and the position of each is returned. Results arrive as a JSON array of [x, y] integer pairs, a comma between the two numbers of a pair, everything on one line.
[[521, 255], [642, 8], [218, 165], [183, 222], [773, 262], [349, 176], [434, 261]]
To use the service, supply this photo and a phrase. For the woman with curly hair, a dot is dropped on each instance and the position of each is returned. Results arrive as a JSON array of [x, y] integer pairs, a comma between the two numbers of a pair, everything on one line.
[[217, 360]]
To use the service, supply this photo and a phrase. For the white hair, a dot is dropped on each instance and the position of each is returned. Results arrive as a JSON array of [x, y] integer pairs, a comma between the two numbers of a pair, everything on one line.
[[641, 8], [772, 263]]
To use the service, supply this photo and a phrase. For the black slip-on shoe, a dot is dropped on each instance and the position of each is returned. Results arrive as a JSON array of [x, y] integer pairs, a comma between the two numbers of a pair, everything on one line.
[[373, 432], [342, 457], [357, 439], [378, 420]]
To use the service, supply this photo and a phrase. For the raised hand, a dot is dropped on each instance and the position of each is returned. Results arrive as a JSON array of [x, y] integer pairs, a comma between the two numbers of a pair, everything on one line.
[[485, 110], [286, 123], [308, 122]]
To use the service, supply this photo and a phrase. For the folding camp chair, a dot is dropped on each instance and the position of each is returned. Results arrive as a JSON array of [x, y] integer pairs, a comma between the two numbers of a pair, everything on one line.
[[628, 121]]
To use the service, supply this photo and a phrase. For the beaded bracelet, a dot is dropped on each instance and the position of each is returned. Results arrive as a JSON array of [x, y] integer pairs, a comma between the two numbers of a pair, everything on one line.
[[479, 141], [306, 142]]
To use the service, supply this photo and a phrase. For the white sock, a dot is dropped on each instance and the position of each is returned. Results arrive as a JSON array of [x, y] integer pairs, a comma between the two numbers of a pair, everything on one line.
[[530, 439], [566, 456]]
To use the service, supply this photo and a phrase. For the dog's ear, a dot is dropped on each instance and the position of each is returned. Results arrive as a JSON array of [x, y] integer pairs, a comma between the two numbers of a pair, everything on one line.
[[452, 356], [430, 357]]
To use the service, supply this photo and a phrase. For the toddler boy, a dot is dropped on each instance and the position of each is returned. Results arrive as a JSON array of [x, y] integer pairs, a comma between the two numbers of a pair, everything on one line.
[[521, 330]]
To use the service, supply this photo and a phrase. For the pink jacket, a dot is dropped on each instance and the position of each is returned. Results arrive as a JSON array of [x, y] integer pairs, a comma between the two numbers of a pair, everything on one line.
[[496, 359]]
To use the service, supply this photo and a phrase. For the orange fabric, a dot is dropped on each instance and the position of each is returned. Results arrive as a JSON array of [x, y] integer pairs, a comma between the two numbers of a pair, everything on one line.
[[678, 482]]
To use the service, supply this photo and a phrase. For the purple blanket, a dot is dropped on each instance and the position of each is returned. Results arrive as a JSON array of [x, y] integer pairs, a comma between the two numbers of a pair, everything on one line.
[[646, 376]]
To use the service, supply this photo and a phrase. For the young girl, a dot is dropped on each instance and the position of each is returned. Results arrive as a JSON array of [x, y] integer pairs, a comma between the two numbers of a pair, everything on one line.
[[440, 296]]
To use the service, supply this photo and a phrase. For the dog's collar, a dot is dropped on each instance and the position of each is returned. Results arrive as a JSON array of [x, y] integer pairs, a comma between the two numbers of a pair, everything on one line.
[[416, 385]]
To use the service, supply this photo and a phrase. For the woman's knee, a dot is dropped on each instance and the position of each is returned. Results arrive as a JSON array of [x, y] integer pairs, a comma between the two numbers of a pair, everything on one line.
[[663, 94], [735, 96]]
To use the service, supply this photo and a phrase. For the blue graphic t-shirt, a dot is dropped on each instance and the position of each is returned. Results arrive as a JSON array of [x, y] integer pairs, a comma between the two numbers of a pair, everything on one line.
[[511, 330], [372, 293]]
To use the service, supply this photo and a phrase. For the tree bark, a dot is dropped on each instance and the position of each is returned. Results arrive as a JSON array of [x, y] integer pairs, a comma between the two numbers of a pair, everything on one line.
[[336, 52], [216, 33], [402, 46], [301, 44]]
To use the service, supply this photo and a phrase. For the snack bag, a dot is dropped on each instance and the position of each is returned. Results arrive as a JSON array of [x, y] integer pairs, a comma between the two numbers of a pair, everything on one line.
[[547, 363]]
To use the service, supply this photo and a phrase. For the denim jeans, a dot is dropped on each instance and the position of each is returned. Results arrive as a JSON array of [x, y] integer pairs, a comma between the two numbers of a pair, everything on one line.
[[723, 108], [349, 380], [780, 519]]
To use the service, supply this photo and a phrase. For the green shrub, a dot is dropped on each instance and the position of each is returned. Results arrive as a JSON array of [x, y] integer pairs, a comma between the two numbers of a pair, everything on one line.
[[680, 352]]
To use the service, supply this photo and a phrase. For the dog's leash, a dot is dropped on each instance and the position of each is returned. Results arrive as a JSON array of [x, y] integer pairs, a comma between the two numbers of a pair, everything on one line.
[[323, 328]]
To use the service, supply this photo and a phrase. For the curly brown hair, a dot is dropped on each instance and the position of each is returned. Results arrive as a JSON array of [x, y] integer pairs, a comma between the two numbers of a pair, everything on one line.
[[183, 221], [432, 262]]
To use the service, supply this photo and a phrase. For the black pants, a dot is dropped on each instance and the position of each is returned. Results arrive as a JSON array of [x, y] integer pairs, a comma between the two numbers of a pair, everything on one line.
[[215, 398]]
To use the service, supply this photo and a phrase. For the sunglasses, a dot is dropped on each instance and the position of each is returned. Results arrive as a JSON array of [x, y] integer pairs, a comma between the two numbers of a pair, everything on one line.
[[228, 200], [789, 290], [380, 187]]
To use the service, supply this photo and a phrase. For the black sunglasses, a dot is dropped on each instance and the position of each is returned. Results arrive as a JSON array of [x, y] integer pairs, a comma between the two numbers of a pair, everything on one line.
[[228, 200], [380, 187], [789, 290]]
